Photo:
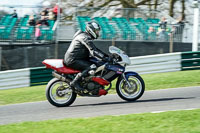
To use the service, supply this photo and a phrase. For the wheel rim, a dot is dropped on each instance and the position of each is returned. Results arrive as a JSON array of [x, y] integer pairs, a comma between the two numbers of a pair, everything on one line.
[[134, 91], [60, 92]]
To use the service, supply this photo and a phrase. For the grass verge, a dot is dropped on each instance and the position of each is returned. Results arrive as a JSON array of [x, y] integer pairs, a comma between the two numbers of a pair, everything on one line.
[[152, 82], [166, 122]]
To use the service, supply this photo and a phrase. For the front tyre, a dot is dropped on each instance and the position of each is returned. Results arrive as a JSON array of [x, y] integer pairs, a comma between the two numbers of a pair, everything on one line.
[[130, 93], [59, 93]]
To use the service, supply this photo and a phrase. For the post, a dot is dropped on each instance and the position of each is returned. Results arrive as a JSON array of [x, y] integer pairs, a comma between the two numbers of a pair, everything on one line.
[[195, 26], [171, 43], [57, 30], [113, 41], [0, 58]]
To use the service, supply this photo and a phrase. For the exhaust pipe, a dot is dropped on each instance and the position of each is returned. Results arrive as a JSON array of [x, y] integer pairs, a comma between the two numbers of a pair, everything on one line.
[[59, 76]]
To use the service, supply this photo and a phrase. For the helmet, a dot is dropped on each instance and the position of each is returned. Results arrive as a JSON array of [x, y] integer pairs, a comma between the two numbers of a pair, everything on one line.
[[93, 29]]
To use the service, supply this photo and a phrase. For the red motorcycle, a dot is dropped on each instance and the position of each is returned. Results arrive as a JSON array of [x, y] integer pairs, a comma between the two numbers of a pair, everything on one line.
[[130, 86]]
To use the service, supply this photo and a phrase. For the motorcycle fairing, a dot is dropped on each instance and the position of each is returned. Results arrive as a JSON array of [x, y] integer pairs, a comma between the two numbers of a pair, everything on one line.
[[100, 80], [117, 68], [57, 64], [124, 58], [127, 74], [97, 62]]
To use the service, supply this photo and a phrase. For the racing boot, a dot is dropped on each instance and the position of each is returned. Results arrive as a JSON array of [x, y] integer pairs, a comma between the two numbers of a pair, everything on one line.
[[76, 82]]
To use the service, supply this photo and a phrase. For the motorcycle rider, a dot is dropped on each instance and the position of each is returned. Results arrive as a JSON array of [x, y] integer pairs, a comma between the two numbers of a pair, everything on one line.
[[79, 51]]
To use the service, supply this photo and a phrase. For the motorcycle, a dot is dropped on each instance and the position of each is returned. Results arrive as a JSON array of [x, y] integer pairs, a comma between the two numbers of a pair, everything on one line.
[[129, 86]]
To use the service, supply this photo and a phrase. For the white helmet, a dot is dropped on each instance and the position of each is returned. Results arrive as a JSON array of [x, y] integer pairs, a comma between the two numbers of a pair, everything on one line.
[[93, 29]]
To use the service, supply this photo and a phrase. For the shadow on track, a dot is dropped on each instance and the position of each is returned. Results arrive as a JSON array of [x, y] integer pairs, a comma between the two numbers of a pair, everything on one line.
[[138, 101]]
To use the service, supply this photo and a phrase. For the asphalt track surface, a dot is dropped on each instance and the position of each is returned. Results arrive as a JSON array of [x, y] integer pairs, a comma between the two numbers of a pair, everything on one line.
[[151, 101]]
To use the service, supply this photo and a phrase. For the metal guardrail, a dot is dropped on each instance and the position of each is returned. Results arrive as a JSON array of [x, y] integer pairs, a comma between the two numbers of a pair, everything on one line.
[[24, 77], [144, 64], [14, 78], [156, 63], [190, 60], [40, 76]]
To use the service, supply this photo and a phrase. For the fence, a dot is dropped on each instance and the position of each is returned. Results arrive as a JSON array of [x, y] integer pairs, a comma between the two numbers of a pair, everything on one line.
[[138, 29], [143, 65], [19, 30], [131, 24], [32, 56]]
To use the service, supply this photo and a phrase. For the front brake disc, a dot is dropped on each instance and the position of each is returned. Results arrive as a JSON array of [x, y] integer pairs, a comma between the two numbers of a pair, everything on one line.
[[131, 90]]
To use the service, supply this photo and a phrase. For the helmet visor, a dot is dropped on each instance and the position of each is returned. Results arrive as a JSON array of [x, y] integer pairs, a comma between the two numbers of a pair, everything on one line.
[[97, 32], [96, 28]]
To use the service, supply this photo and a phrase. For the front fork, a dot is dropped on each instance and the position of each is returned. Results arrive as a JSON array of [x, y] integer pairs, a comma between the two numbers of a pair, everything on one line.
[[129, 85]]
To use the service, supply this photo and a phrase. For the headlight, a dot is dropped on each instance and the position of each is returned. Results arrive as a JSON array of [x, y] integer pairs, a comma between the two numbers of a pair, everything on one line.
[[117, 58]]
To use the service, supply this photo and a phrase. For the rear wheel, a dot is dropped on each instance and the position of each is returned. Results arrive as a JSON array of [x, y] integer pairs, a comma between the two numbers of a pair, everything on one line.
[[130, 93], [59, 93]]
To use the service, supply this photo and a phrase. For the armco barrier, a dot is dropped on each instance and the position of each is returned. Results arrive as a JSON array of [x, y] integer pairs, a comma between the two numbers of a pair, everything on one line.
[[40, 75], [156, 63], [190, 60], [24, 77], [143, 65], [14, 78]]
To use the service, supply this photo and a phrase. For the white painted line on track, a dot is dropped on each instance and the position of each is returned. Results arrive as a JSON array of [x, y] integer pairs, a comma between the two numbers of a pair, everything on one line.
[[159, 111], [172, 110]]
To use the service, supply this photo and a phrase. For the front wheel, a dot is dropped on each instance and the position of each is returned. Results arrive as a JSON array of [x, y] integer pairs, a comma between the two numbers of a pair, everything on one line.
[[59, 93], [132, 93]]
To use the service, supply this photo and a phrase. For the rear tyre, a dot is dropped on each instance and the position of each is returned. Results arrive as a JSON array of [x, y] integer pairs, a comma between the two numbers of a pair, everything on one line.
[[59, 93], [134, 92]]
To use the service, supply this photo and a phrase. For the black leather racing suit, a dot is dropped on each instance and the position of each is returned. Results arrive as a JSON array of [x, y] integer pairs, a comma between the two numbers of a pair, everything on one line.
[[79, 51]]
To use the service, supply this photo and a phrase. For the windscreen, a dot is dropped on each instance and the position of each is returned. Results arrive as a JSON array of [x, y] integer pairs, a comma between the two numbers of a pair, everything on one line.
[[113, 49]]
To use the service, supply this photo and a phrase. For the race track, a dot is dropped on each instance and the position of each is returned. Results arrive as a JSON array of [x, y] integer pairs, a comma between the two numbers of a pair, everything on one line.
[[151, 101]]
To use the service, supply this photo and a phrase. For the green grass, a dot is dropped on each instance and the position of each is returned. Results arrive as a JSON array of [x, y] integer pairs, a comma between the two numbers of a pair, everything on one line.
[[172, 79], [20, 95], [152, 82], [166, 122]]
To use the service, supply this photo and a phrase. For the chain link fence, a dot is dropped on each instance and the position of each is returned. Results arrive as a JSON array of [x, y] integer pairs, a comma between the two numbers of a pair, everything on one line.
[[28, 56], [18, 31], [19, 24], [132, 24], [32, 56]]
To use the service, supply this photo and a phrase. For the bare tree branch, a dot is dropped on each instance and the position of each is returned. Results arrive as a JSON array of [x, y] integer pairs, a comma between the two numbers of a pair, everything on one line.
[[106, 3], [171, 7], [183, 10], [156, 3], [127, 3], [114, 4], [71, 4], [153, 4], [142, 2], [131, 3]]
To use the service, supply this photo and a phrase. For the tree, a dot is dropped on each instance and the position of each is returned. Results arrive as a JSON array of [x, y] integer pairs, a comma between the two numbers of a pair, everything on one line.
[[132, 3], [3, 12], [183, 9], [109, 3], [171, 7], [153, 4]]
